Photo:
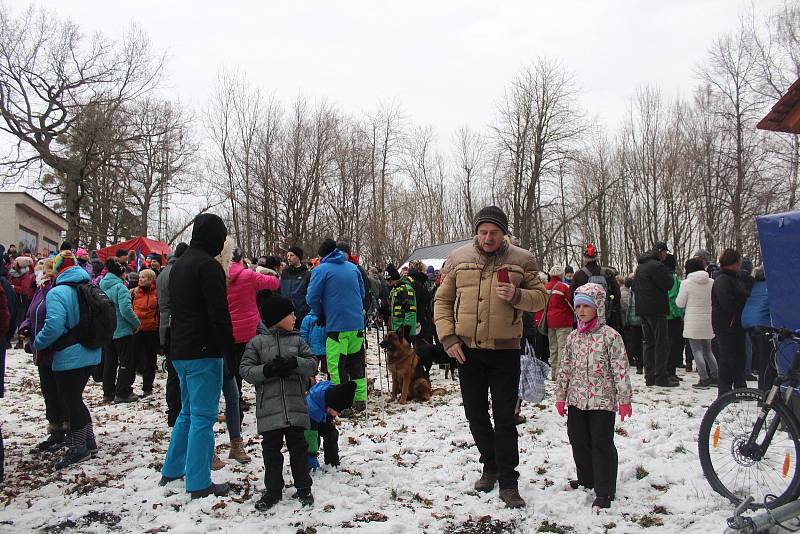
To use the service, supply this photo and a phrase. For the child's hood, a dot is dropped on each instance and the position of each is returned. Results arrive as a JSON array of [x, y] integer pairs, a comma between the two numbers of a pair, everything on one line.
[[598, 295]]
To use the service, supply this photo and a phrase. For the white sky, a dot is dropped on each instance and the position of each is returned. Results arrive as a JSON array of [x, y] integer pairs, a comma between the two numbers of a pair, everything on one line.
[[446, 62]]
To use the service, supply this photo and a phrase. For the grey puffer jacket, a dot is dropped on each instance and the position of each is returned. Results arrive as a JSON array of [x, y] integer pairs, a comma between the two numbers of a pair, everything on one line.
[[280, 402]]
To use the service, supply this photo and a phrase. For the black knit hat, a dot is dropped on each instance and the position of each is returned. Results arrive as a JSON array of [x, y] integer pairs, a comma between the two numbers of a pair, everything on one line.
[[209, 233], [494, 215], [327, 246], [340, 397], [114, 267], [66, 245], [180, 249], [297, 251], [391, 273], [274, 309]]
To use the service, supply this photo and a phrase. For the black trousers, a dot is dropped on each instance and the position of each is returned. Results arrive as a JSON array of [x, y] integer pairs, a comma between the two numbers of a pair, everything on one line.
[[676, 344], [173, 387], [145, 346], [655, 348], [329, 438], [271, 446], [762, 349], [70, 386], [495, 372], [236, 361], [633, 344], [120, 354], [54, 408], [732, 360], [591, 435]]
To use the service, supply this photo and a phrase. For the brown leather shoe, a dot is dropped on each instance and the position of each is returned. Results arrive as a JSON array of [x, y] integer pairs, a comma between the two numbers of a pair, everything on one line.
[[486, 482], [512, 498]]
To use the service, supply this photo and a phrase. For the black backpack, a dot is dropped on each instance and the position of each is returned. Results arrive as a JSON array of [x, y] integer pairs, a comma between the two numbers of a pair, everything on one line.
[[98, 321]]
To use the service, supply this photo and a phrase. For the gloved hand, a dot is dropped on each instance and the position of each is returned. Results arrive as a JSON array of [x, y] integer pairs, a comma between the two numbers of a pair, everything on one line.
[[625, 410], [313, 463], [286, 366], [270, 368], [561, 408]]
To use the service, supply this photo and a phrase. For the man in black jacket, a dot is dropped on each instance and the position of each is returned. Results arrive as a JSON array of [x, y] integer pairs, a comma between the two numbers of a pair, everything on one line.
[[591, 268], [294, 283], [651, 283], [200, 335]]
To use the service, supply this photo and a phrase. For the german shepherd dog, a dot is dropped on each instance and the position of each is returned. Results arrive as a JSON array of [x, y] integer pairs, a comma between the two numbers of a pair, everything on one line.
[[409, 378]]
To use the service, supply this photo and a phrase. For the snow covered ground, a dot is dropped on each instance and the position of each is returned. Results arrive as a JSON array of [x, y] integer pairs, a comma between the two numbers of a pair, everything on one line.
[[405, 469]]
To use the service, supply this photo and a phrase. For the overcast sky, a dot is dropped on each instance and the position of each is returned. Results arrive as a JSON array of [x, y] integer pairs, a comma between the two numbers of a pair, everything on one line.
[[446, 62]]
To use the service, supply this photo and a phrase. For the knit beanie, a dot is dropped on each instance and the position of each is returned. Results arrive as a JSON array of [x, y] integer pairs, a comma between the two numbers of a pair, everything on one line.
[[66, 245], [494, 215], [82, 252], [180, 249], [327, 246], [274, 309], [431, 270], [391, 273], [340, 397], [297, 251], [583, 298], [556, 271], [63, 261]]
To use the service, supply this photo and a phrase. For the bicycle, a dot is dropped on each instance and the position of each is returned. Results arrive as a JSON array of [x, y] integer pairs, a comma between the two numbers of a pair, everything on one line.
[[749, 441]]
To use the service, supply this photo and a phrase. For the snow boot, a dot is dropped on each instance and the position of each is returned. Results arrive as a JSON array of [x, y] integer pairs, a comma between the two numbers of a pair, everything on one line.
[[133, 397], [91, 441], [53, 442], [216, 463], [512, 498], [305, 497], [166, 480], [218, 490], [267, 501], [237, 451], [601, 503], [575, 484], [487, 481], [77, 451]]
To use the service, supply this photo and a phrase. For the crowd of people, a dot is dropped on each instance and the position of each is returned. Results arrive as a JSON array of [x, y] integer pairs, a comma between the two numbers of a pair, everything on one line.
[[295, 330]]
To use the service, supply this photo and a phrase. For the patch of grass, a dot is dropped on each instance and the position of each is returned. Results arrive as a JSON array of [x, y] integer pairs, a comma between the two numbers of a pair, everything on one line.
[[659, 487], [654, 425], [641, 472], [403, 428], [680, 449], [621, 432], [482, 525], [660, 509], [541, 470], [536, 431], [393, 494]]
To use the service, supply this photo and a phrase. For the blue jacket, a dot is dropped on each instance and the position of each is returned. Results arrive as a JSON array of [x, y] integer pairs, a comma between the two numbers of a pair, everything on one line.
[[336, 293], [313, 334], [316, 401], [64, 313], [756, 310], [120, 295]]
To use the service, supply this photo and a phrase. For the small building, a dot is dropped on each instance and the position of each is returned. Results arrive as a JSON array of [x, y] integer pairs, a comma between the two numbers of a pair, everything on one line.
[[785, 114], [29, 223]]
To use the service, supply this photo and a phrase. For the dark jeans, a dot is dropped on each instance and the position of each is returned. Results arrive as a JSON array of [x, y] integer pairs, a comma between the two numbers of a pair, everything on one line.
[[732, 360], [676, 344], [119, 354], [633, 344], [762, 353], [591, 435], [655, 348], [54, 408], [70, 386], [495, 371], [145, 347], [271, 446]]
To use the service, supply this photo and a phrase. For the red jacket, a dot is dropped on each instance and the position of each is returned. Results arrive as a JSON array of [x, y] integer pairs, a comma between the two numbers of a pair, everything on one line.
[[145, 305], [242, 299], [559, 313]]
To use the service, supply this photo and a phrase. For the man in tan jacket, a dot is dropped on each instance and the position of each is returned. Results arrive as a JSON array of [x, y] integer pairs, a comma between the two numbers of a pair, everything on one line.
[[479, 321]]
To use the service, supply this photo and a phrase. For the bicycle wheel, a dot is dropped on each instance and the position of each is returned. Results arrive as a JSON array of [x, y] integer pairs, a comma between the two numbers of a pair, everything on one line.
[[726, 426]]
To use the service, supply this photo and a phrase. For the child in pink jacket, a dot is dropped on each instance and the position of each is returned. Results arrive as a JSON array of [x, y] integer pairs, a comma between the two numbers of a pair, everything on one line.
[[592, 384]]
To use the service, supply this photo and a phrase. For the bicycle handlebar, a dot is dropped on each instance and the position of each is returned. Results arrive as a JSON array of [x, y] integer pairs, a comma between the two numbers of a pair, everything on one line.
[[781, 333]]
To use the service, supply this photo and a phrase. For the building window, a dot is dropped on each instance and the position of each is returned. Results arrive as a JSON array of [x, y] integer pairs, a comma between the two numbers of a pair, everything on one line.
[[28, 238]]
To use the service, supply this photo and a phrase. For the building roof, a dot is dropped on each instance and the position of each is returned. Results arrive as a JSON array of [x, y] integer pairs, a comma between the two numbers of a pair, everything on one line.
[[785, 114], [439, 252], [37, 208]]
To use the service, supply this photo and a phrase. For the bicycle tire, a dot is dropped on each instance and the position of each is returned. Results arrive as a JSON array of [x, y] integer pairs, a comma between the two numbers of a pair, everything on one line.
[[705, 437]]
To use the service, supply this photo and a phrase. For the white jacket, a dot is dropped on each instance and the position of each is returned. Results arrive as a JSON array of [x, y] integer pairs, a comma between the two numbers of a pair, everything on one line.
[[695, 297]]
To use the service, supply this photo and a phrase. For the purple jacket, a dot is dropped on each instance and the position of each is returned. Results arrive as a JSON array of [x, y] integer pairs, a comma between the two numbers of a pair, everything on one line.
[[34, 319]]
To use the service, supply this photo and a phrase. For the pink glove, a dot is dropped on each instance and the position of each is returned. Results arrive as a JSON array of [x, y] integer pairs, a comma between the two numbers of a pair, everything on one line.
[[625, 410], [561, 408]]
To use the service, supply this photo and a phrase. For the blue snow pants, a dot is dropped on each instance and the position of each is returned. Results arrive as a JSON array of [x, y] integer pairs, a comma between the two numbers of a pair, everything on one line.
[[191, 446]]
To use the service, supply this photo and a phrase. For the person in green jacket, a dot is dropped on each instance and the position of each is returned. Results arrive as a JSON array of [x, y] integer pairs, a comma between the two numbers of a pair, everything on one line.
[[674, 321], [403, 316], [118, 387]]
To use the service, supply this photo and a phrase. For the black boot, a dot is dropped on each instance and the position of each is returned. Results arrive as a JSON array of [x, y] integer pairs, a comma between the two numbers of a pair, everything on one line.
[[77, 451], [305, 497], [53, 442], [91, 442], [267, 501]]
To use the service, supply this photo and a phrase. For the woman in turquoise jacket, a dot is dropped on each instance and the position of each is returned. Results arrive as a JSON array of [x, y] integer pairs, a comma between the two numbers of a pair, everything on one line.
[[72, 365], [117, 387]]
